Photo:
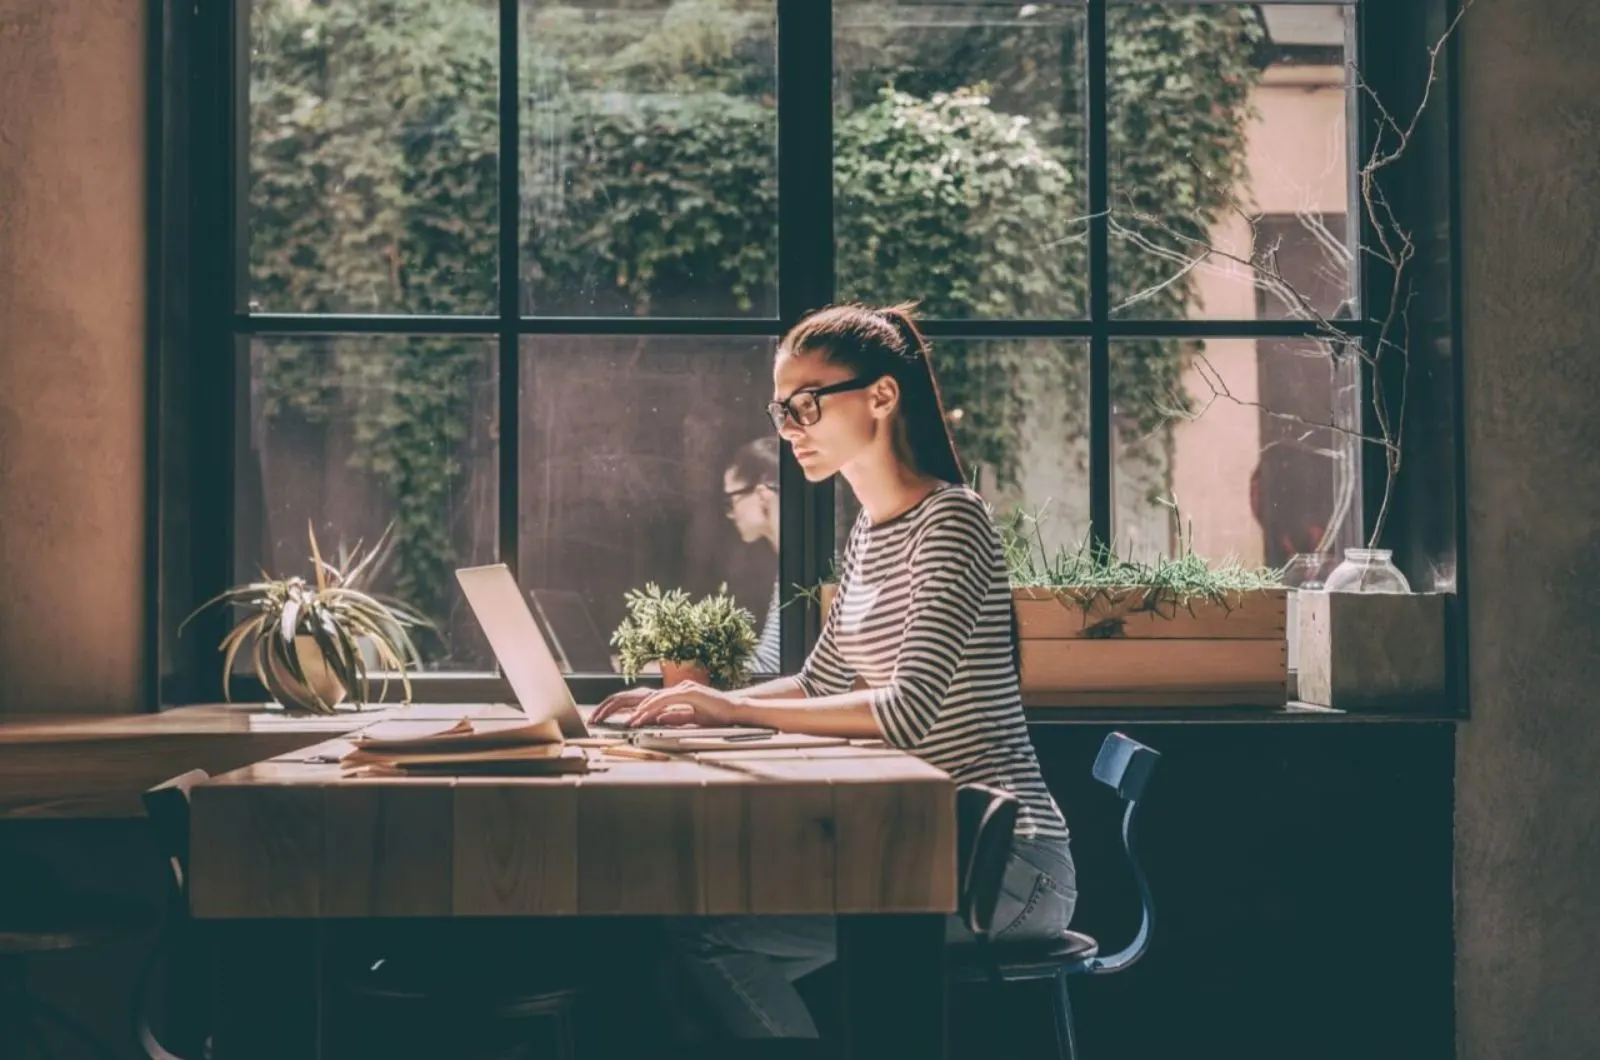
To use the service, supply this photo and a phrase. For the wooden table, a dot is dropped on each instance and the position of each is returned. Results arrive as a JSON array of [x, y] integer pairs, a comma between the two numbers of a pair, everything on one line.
[[865, 833], [98, 765]]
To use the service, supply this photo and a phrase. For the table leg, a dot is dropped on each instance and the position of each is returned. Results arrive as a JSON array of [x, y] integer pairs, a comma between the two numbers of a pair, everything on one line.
[[269, 989], [893, 977]]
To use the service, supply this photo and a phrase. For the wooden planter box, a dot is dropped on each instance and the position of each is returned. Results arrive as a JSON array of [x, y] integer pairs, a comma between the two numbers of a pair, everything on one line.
[[1123, 652]]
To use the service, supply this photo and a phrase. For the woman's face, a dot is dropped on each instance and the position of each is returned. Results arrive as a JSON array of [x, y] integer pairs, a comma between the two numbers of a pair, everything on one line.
[[850, 423], [752, 507]]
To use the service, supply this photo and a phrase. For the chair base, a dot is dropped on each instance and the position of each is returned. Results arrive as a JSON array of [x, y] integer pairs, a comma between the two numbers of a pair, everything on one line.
[[24, 1020], [1057, 960], [398, 1015]]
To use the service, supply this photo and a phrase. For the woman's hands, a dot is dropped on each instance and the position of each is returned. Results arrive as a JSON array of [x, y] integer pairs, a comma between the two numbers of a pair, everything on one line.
[[621, 703], [683, 704]]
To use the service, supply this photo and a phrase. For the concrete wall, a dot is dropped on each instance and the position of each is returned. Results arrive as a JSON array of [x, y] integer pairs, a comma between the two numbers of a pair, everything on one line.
[[72, 402], [1528, 810]]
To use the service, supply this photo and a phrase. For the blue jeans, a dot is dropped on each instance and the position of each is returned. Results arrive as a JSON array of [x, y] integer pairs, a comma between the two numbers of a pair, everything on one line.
[[745, 968]]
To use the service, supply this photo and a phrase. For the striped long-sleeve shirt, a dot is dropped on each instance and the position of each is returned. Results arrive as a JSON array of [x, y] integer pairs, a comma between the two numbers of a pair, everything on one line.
[[923, 616], [769, 658]]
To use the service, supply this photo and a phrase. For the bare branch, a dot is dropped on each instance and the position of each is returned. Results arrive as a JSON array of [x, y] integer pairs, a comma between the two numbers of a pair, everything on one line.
[[1389, 247], [1220, 391]]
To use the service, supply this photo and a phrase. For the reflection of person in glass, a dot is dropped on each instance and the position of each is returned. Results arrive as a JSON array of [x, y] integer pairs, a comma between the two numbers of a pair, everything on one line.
[[751, 486], [919, 649]]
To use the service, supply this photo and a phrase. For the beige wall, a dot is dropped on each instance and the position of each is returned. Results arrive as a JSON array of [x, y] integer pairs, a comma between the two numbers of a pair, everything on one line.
[[72, 75], [1297, 163]]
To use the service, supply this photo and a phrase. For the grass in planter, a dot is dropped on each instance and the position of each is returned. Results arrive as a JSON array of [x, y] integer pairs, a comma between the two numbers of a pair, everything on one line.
[[1093, 572]]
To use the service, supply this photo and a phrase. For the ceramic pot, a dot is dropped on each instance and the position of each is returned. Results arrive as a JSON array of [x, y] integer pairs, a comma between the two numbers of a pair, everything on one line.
[[322, 690], [673, 673]]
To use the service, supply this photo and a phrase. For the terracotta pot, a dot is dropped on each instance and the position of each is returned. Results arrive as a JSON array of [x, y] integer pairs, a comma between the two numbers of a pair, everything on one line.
[[320, 678], [673, 673]]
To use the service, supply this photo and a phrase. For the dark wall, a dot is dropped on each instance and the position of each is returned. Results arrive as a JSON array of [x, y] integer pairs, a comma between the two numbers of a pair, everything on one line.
[[1528, 822], [1302, 878]]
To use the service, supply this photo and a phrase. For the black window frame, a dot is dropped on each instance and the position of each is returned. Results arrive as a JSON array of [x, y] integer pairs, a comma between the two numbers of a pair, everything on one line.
[[198, 314]]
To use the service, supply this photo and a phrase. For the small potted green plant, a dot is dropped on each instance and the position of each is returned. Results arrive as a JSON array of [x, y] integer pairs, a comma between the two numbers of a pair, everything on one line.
[[310, 641], [710, 641]]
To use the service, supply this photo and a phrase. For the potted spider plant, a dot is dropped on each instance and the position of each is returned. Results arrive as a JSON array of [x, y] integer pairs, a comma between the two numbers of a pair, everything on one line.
[[710, 641], [310, 640]]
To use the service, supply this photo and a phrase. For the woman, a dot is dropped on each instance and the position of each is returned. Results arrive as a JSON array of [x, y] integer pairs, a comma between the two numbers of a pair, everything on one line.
[[923, 617], [751, 486]]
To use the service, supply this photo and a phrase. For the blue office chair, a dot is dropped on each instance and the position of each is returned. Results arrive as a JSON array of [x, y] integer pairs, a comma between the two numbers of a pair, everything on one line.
[[986, 818]]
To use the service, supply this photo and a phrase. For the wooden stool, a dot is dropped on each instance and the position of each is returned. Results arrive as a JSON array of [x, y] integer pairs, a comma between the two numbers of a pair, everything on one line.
[[52, 926]]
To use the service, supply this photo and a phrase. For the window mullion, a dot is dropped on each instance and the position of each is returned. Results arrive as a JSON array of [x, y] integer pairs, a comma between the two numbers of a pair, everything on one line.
[[805, 282], [209, 363], [510, 195], [1100, 425]]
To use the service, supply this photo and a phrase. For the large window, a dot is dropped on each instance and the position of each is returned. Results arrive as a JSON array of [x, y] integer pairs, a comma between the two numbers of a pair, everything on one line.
[[506, 278]]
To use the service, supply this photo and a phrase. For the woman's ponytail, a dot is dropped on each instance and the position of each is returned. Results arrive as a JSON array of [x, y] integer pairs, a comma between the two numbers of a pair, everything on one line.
[[928, 444], [927, 429]]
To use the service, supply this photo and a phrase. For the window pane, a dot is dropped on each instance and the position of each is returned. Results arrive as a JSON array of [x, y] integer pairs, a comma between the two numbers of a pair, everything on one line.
[[1220, 115], [958, 168], [1248, 442], [353, 435], [372, 157], [628, 447], [1020, 418], [649, 158]]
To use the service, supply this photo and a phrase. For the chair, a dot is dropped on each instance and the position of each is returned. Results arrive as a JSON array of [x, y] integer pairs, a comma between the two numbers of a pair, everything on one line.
[[985, 822], [39, 919], [407, 1008], [167, 807], [405, 1002]]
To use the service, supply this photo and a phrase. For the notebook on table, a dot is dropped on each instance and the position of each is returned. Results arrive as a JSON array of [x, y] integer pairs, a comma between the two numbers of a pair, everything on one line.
[[484, 746]]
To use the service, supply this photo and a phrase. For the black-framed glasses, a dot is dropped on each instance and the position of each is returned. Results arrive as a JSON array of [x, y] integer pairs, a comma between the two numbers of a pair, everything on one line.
[[805, 406], [733, 497]]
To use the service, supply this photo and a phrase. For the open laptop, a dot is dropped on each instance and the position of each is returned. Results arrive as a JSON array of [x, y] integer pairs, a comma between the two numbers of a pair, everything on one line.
[[520, 647], [525, 658]]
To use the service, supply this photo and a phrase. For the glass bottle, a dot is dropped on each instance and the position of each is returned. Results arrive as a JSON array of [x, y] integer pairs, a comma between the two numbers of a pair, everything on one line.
[[1302, 572], [1367, 570]]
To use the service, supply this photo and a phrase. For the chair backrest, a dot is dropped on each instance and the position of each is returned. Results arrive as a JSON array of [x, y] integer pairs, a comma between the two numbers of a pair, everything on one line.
[[1125, 766], [985, 820], [180, 952], [167, 806]]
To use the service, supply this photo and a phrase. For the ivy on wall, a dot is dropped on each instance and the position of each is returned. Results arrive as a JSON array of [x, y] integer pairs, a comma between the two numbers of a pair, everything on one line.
[[649, 185]]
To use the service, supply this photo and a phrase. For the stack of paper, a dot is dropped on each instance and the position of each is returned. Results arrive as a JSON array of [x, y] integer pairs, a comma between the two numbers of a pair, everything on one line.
[[482, 747]]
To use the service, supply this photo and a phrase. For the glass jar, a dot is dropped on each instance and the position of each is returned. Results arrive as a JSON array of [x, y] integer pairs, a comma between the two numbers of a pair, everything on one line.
[[1304, 570], [1367, 570]]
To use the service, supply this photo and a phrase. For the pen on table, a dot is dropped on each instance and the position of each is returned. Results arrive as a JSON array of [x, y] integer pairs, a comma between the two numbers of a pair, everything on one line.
[[629, 751]]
